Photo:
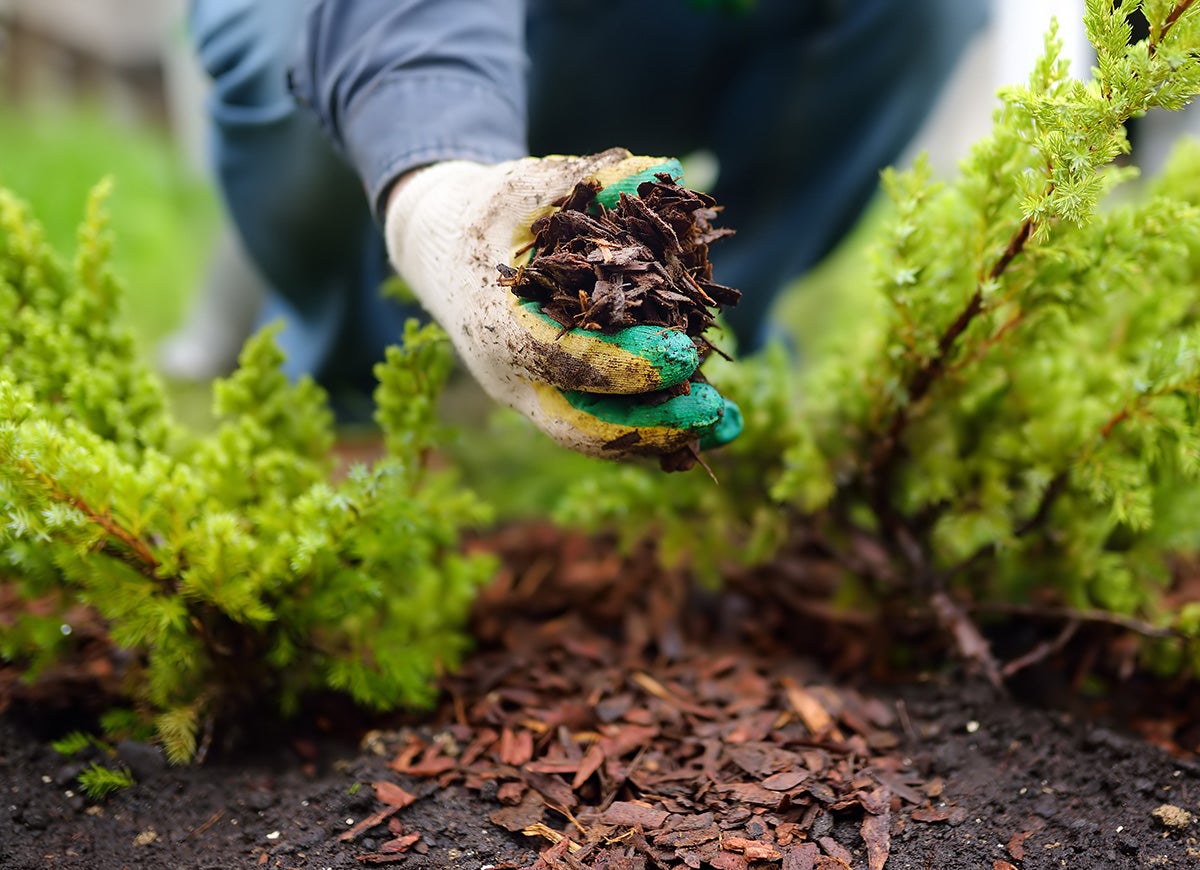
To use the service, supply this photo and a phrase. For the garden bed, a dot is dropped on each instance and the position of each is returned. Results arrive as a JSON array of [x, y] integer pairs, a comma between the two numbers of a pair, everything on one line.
[[612, 717]]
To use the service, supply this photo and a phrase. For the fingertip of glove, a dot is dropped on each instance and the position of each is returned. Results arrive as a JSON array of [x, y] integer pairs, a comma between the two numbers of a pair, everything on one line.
[[692, 413], [728, 427]]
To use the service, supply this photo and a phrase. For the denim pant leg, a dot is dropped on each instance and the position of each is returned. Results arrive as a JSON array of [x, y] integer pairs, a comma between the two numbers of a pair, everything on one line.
[[850, 97], [803, 104], [299, 208]]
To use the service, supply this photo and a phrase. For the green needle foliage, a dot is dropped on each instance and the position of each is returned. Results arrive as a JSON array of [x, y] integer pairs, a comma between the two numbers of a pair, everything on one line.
[[1026, 417], [99, 781], [229, 565], [1016, 411]]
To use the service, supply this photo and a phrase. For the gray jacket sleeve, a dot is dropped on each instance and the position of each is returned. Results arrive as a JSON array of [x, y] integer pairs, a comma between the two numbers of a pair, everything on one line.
[[401, 83]]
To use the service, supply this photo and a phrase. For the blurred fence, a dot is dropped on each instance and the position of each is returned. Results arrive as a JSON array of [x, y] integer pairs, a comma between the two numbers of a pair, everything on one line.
[[110, 53]]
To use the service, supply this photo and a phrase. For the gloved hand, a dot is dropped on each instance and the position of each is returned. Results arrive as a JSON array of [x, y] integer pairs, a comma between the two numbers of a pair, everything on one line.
[[447, 228]]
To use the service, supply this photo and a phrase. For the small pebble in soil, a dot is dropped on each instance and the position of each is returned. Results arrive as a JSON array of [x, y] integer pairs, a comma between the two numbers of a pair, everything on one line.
[[67, 773], [260, 800], [1172, 817], [34, 818], [144, 761]]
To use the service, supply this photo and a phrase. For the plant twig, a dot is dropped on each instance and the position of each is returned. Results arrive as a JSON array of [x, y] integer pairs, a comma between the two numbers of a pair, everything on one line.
[[879, 466], [971, 643], [1042, 651], [1094, 617], [145, 562], [1178, 12], [1113, 422]]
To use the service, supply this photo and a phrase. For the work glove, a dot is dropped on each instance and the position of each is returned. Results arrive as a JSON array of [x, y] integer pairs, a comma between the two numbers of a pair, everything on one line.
[[449, 227]]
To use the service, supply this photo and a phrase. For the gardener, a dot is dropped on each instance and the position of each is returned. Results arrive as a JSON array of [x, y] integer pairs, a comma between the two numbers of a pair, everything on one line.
[[414, 115]]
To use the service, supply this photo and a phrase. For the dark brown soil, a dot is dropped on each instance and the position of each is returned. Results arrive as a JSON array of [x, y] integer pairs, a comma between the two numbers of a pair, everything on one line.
[[751, 748]]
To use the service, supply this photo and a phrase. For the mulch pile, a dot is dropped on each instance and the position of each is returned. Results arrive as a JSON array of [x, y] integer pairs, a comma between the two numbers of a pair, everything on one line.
[[622, 741], [643, 262]]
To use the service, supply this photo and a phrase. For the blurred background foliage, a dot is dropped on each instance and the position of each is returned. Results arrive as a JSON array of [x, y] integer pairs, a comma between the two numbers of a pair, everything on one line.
[[163, 213]]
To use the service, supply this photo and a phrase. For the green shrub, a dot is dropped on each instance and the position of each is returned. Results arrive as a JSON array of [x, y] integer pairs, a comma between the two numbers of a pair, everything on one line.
[[229, 564], [1016, 409]]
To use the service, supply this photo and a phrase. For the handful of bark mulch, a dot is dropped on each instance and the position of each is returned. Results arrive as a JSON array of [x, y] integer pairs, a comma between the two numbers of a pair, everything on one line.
[[643, 262]]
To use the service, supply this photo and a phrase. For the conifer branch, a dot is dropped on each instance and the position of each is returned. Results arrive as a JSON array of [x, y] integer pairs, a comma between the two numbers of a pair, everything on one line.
[[880, 465], [1175, 14], [1113, 422], [1056, 488], [926, 376], [142, 560], [1053, 490], [993, 340]]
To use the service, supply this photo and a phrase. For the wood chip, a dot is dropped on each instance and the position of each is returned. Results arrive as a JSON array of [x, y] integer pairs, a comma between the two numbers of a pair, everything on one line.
[[553, 789], [687, 838], [588, 765], [400, 844], [1016, 844], [528, 812], [730, 861], [751, 793], [785, 781], [643, 262], [515, 748], [634, 814], [939, 814], [393, 795], [660, 750], [835, 850], [815, 717], [800, 857], [876, 835], [376, 818]]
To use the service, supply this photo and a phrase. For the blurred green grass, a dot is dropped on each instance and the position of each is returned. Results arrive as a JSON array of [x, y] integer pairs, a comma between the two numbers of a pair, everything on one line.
[[163, 215]]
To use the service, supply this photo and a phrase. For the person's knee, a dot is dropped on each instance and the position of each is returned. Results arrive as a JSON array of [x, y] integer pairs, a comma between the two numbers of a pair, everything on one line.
[[245, 47], [944, 28]]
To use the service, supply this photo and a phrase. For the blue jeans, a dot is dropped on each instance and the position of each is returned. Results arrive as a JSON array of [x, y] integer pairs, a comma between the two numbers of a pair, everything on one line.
[[298, 207], [802, 103]]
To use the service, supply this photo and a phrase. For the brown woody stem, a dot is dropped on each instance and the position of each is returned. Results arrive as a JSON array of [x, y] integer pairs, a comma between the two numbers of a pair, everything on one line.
[[144, 559], [1173, 17], [925, 377]]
